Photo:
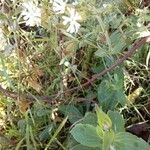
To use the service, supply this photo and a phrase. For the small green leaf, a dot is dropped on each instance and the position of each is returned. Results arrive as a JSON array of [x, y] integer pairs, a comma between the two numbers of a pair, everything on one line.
[[100, 132], [101, 53], [44, 134], [103, 119], [111, 92], [22, 126], [89, 118], [86, 135], [118, 42], [72, 112], [127, 141], [41, 112], [117, 121], [108, 138]]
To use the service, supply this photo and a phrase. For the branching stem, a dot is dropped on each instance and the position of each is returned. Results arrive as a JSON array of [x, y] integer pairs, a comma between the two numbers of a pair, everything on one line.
[[137, 44]]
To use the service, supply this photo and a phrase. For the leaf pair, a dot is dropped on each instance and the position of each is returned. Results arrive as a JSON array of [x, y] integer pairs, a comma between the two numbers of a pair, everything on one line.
[[108, 135]]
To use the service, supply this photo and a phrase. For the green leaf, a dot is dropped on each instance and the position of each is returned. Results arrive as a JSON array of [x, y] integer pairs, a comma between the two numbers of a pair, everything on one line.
[[107, 139], [101, 53], [114, 20], [117, 121], [81, 147], [41, 112], [103, 119], [22, 125], [72, 112], [118, 42], [100, 131], [106, 100], [86, 135], [89, 118], [111, 92], [127, 141], [44, 134]]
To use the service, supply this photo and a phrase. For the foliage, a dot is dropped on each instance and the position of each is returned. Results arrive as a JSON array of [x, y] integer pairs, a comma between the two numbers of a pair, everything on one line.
[[47, 48], [106, 137]]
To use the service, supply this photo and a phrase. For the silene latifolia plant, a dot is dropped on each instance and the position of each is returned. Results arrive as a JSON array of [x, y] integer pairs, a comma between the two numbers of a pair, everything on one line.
[[49, 46]]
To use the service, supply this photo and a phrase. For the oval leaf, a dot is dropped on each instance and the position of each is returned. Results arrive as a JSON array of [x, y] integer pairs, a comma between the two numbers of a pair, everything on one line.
[[127, 141], [86, 135], [103, 119], [117, 121]]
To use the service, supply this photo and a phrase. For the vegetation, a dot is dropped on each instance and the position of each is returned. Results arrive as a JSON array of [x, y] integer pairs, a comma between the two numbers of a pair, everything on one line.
[[74, 75]]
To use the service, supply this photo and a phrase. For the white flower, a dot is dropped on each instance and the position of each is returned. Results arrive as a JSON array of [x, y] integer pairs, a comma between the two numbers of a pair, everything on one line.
[[59, 6], [139, 24], [31, 13], [72, 21], [105, 5]]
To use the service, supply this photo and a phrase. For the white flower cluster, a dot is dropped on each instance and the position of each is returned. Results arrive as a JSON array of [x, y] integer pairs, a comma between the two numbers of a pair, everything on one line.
[[31, 13]]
